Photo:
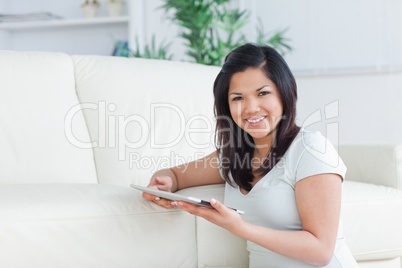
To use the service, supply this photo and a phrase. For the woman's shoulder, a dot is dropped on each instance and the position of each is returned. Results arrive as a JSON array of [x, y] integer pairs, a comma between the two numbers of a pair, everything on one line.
[[313, 144], [316, 149], [312, 153], [307, 140]]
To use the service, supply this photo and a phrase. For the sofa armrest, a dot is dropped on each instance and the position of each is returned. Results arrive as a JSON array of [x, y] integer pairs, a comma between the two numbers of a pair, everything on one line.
[[373, 163]]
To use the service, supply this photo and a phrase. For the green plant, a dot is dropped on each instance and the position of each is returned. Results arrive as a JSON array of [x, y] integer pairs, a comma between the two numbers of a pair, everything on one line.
[[148, 52], [151, 51], [211, 29], [208, 27]]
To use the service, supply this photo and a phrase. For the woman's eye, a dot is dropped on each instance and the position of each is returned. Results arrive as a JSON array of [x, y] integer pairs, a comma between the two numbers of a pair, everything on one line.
[[237, 98], [263, 93]]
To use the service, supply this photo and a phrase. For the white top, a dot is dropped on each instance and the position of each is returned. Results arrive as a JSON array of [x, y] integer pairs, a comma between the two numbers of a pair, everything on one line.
[[271, 202]]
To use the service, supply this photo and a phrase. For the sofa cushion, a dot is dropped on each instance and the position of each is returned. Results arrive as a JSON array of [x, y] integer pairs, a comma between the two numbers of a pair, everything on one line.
[[372, 220], [89, 225], [37, 93], [146, 115]]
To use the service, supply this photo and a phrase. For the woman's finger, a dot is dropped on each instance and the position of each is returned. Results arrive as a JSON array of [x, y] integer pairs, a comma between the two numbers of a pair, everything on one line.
[[165, 203]]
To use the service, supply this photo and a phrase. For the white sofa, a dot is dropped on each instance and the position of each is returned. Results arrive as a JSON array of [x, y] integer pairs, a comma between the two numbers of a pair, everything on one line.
[[75, 131]]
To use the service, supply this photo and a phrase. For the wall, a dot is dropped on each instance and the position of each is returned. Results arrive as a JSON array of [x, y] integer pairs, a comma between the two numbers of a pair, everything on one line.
[[352, 108], [156, 24], [342, 34]]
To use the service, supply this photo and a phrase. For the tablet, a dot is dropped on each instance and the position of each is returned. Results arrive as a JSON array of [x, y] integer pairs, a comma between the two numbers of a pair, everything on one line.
[[176, 197]]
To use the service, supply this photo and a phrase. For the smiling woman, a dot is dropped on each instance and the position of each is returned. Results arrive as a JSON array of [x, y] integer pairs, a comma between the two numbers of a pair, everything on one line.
[[291, 194], [257, 89]]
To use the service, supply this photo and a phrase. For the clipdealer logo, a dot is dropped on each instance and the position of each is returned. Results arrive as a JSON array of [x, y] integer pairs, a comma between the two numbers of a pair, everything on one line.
[[330, 118], [113, 129]]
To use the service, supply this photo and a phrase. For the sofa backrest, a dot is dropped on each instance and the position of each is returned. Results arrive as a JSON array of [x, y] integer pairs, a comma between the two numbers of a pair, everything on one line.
[[37, 92], [145, 115]]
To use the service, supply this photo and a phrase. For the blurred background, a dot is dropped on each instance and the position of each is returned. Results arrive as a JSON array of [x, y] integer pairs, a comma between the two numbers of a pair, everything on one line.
[[314, 35]]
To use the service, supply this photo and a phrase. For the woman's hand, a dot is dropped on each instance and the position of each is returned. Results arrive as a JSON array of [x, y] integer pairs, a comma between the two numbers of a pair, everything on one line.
[[163, 183], [222, 216]]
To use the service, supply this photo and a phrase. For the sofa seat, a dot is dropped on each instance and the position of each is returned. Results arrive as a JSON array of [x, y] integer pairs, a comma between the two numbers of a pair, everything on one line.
[[366, 207], [84, 225], [80, 225]]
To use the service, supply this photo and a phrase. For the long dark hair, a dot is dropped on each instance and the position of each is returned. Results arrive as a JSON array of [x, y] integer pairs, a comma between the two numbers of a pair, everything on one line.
[[235, 146]]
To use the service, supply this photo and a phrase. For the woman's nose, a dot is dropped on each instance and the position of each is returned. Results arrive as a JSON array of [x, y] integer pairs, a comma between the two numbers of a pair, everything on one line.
[[252, 106]]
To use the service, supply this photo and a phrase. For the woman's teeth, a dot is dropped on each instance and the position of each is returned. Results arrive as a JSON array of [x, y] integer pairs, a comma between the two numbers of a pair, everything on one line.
[[256, 120]]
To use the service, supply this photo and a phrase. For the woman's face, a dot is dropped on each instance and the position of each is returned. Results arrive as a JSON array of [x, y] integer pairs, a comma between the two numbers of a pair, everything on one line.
[[255, 104]]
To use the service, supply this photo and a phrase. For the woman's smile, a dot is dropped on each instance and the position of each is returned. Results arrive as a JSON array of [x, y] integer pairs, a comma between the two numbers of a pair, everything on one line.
[[254, 121]]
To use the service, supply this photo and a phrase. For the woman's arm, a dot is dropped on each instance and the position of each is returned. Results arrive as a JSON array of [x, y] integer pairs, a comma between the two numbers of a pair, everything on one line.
[[203, 171], [318, 200]]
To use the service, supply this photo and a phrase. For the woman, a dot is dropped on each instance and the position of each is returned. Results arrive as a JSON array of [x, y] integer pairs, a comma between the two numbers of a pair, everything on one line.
[[273, 170]]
